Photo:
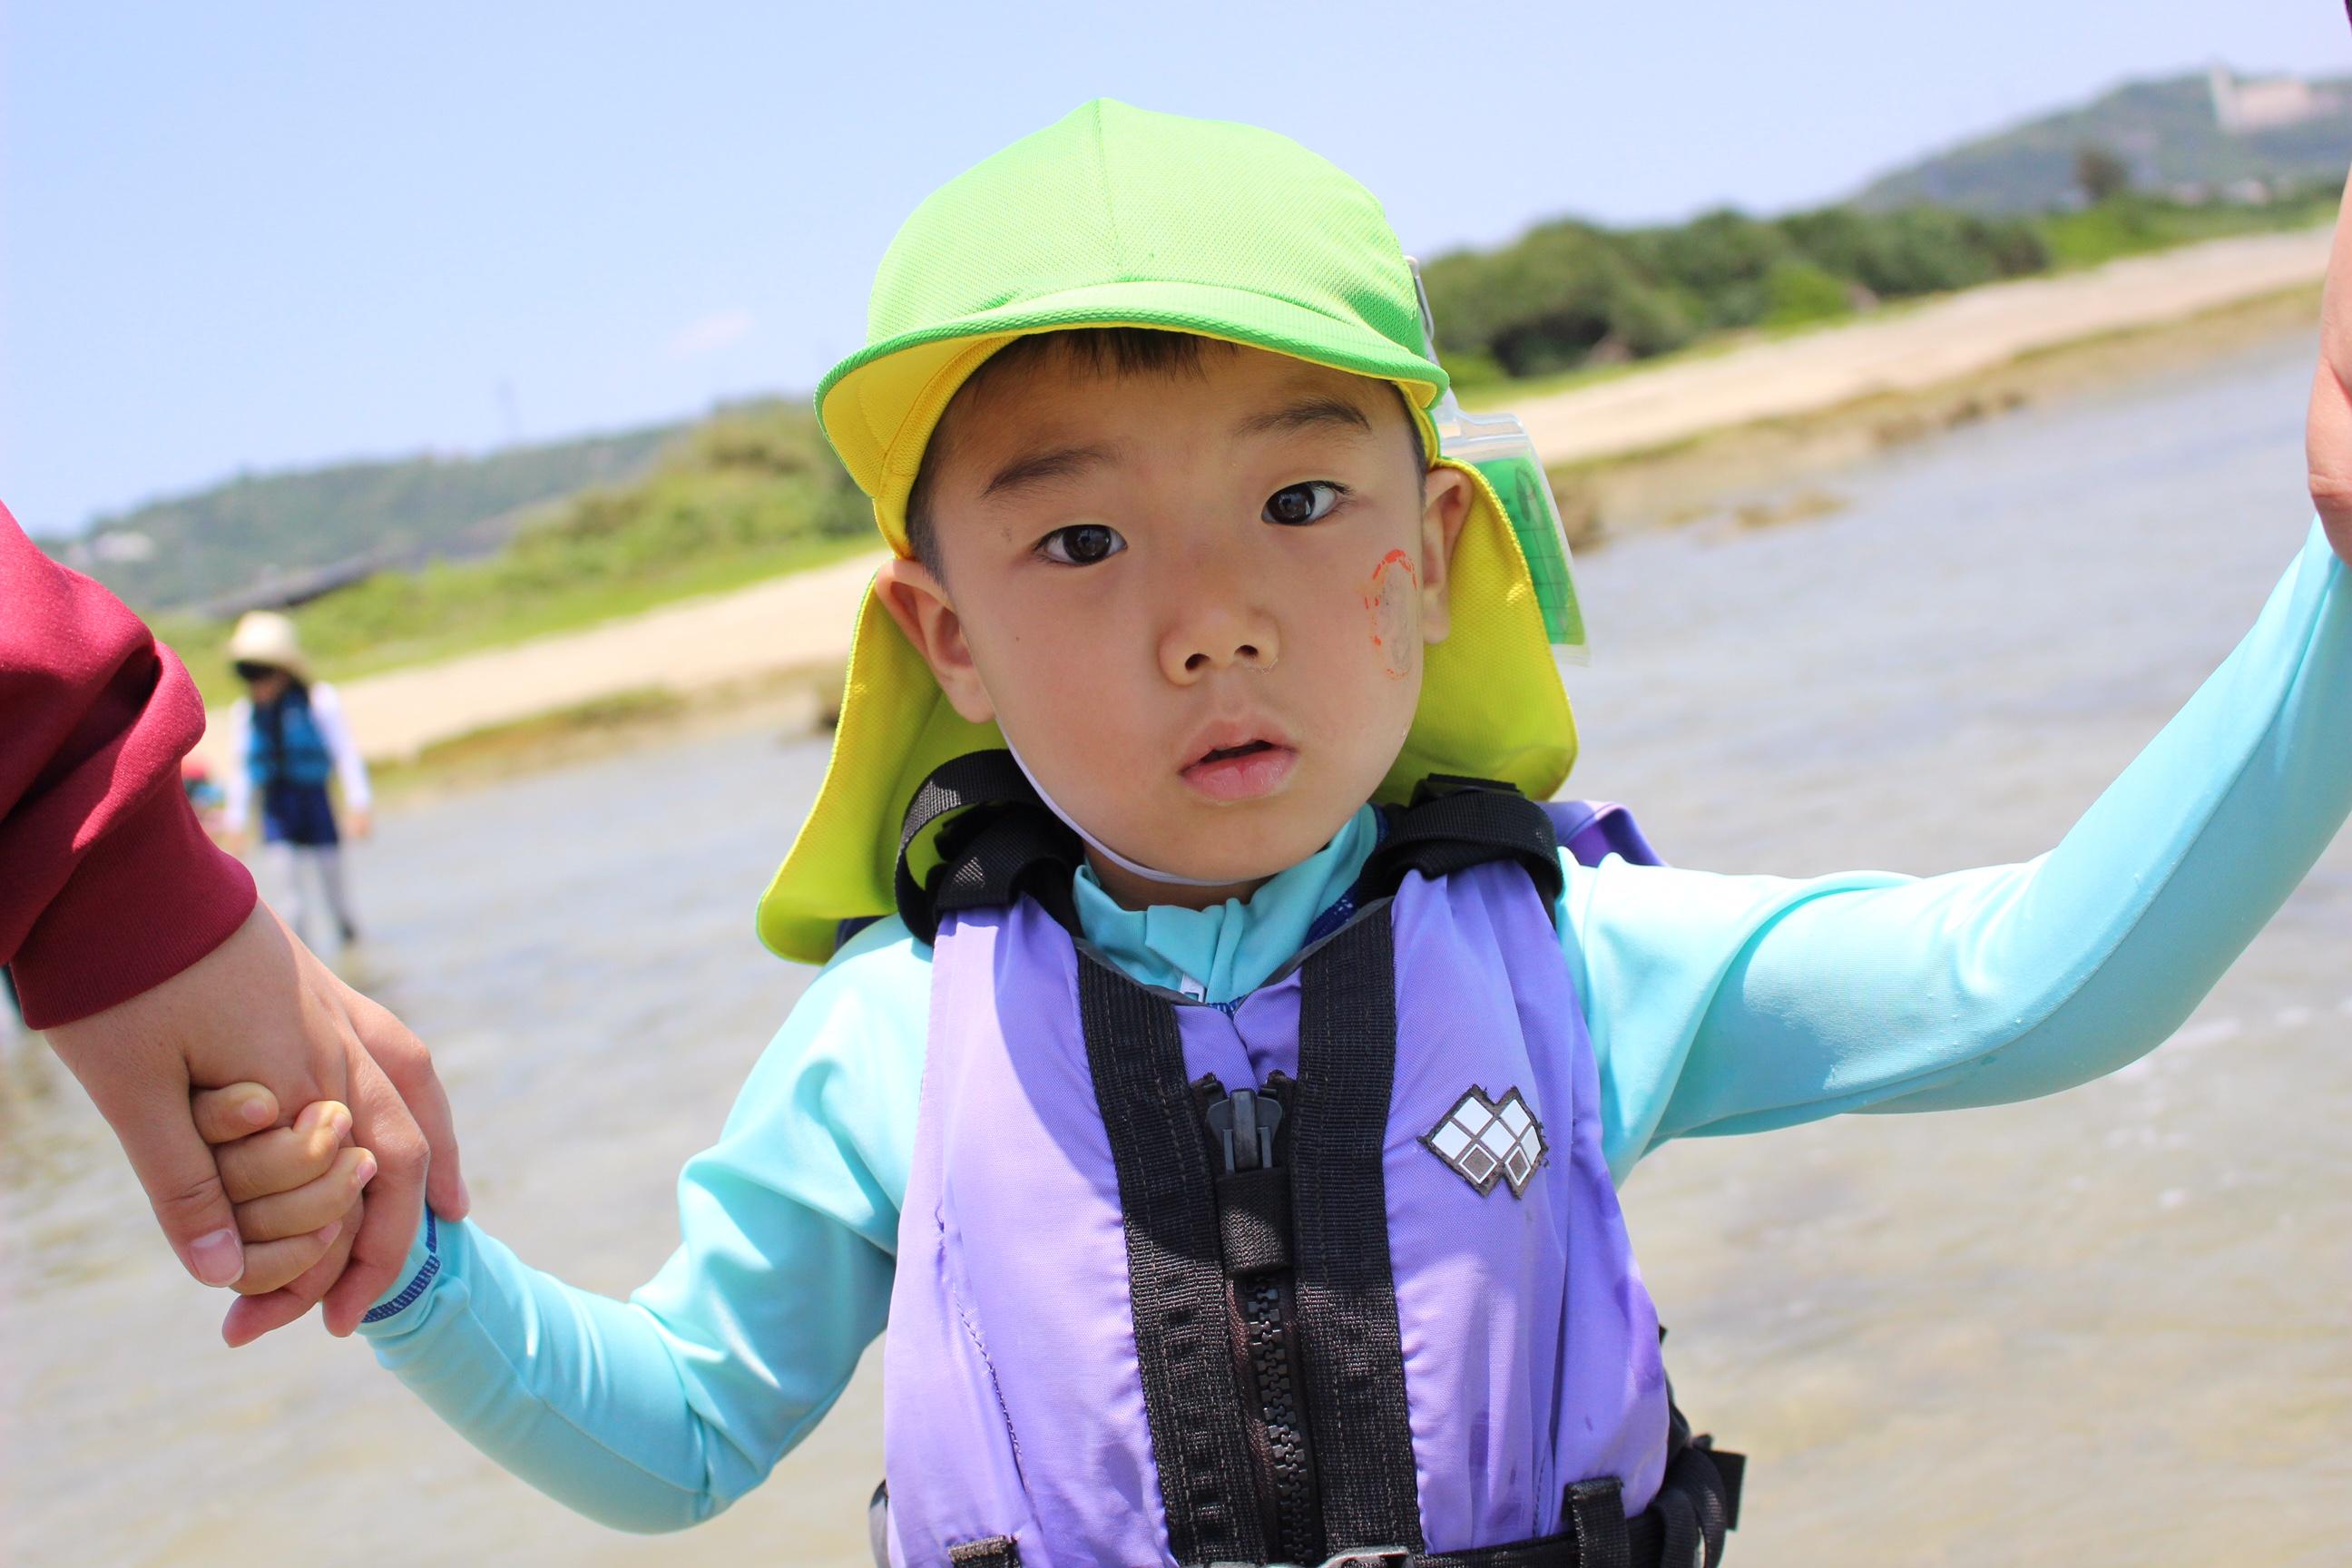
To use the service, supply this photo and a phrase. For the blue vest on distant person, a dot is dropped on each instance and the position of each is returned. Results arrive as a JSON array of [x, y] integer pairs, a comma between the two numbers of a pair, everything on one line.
[[284, 746]]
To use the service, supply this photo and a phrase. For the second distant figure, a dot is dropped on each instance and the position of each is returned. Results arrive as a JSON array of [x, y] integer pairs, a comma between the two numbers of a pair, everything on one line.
[[288, 739]]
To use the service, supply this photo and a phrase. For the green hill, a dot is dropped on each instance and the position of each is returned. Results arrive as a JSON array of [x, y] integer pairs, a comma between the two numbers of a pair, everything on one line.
[[339, 522], [750, 492], [2193, 137]]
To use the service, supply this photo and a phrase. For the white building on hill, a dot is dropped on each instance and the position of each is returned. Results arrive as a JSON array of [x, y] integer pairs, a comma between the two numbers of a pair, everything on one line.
[[2245, 104]]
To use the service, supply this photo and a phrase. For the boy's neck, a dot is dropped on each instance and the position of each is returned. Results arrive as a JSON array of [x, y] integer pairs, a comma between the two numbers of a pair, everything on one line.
[[1130, 892]]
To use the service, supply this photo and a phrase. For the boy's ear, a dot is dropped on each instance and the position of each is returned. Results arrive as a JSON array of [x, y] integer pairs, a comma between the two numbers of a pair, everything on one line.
[[919, 602], [1444, 508]]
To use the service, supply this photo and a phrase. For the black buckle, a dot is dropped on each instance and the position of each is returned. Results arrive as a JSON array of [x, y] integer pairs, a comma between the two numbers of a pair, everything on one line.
[[1245, 1124]]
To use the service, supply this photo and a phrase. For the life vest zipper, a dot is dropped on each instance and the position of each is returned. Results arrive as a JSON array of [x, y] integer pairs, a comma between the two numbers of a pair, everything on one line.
[[1270, 1330], [1247, 1138]]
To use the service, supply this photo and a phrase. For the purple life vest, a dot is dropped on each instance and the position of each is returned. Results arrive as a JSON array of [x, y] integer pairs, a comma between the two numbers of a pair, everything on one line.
[[1028, 1297]]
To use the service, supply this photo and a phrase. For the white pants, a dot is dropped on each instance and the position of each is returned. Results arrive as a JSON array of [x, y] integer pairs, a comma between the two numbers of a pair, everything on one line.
[[295, 867]]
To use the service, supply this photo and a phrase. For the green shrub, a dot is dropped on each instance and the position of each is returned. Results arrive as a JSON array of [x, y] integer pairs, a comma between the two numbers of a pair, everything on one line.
[[1797, 292], [1550, 301], [1716, 267]]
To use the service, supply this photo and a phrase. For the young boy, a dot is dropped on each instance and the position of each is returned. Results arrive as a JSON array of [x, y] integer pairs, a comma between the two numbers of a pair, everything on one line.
[[1233, 1160]]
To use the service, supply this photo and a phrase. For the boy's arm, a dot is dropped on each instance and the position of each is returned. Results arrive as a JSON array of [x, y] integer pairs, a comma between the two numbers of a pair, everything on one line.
[[658, 1412], [1728, 1004]]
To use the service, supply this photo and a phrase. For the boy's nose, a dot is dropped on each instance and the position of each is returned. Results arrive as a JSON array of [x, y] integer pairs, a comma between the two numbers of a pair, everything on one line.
[[1214, 638]]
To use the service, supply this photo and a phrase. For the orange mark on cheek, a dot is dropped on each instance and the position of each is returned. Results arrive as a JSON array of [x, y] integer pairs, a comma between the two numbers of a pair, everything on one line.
[[1389, 598]]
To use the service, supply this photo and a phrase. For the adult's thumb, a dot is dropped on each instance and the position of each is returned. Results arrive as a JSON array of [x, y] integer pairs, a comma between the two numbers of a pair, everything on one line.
[[183, 1186]]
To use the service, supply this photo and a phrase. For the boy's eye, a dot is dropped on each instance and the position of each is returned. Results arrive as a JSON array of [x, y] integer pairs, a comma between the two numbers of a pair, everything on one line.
[[1295, 504], [1081, 544]]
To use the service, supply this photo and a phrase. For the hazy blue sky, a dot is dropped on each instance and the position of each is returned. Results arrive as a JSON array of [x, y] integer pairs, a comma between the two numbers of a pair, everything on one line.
[[250, 235]]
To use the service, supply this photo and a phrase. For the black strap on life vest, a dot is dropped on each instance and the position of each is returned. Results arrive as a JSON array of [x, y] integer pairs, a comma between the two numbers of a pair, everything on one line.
[[1356, 1408], [1454, 824], [1683, 1529], [1002, 843], [1175, 1271], [1697, 1501]]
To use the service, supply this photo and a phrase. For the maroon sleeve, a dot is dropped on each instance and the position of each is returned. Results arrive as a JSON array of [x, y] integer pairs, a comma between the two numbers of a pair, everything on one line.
[[107, 884]]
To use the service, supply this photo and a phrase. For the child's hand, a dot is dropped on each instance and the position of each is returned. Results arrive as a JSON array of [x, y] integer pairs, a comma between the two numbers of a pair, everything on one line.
[[296, 1188], [2327, 434]]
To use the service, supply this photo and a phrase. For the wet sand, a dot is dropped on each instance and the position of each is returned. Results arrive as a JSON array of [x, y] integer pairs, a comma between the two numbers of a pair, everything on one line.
[[2115, 1326]]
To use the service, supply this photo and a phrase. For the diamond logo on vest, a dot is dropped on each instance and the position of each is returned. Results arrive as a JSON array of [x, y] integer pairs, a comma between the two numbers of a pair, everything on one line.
[[1487, 1141]]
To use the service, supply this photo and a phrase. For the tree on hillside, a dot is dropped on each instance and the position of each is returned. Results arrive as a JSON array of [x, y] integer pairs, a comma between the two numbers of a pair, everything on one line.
[[2100, 173], [1718, 265], [1564, 291]]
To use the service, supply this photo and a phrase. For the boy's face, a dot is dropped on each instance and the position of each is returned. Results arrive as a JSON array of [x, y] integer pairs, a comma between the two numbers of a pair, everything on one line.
[[1195, 601]]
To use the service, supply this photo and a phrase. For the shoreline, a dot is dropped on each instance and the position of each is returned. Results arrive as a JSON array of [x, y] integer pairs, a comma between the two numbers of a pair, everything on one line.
[[1774, 471], [1746, 437]]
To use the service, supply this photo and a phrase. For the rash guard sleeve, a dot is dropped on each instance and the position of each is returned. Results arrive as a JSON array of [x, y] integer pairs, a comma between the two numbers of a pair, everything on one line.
[[658, 1412], [1724, 1004]]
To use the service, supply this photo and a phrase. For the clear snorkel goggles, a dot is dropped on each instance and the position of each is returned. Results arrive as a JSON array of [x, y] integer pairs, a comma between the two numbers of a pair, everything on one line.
[[1498, 446]]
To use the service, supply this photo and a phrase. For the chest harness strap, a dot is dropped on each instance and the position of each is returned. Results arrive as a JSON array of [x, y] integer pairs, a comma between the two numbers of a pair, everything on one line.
[[1257, 1223]]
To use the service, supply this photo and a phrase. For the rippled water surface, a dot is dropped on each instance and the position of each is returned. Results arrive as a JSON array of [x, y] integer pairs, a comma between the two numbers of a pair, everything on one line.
[[2113, 1326]]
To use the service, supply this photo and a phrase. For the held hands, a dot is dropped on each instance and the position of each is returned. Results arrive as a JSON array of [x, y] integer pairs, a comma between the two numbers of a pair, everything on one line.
[[296, 1188], [2327, 433], [260, 1007]]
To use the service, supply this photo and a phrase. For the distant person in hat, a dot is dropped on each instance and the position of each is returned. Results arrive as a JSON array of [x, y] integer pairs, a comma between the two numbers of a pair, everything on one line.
[[290, 738]]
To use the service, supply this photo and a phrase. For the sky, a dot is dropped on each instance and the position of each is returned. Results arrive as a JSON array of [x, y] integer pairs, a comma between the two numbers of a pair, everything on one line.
[[245, 237]]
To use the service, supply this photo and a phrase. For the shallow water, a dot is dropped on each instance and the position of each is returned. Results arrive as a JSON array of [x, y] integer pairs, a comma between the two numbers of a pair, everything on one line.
[[2113, 1326]]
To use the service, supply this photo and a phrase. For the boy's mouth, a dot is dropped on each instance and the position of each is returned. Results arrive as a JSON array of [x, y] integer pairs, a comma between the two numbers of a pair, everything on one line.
[[1241, 769]]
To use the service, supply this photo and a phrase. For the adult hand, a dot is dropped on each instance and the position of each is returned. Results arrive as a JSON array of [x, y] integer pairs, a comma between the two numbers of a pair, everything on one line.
[[2327, 433], [260, 1007], [392, 1085]]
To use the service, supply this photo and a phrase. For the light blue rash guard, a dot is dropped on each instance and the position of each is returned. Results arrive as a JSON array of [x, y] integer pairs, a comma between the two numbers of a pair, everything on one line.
[[1717, 1004]]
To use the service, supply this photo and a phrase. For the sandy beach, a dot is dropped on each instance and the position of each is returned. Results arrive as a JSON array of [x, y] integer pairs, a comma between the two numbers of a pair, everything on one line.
[[701, 650]]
